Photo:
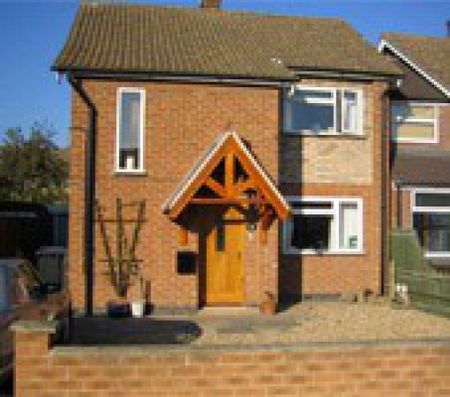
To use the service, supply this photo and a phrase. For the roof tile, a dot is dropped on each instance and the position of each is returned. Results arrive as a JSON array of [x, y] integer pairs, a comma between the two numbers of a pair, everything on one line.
[[190, 41]]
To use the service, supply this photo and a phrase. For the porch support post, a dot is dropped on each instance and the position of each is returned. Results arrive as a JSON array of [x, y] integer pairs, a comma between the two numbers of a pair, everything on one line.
[[183, 236]]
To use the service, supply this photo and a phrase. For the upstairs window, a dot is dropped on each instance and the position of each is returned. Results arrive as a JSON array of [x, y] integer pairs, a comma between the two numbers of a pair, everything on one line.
[[324, 225], [414, 122], [130, 129], [325, 111]]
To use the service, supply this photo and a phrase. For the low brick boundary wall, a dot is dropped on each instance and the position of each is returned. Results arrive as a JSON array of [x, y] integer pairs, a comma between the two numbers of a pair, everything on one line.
[[356, 369]]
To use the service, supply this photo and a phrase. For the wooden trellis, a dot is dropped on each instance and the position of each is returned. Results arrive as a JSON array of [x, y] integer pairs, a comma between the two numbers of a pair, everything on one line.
[[124, 264]]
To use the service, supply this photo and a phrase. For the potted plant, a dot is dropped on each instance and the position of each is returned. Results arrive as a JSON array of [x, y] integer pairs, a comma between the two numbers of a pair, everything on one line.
[[138, 301], [268, 305]]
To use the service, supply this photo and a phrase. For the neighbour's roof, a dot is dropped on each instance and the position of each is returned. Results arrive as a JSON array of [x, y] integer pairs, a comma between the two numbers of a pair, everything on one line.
[[422, 167], [198, 42], [415, 87], [430, 54]]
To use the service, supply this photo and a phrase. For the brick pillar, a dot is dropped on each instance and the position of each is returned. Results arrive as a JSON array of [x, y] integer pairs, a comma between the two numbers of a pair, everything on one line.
[[32, 341]]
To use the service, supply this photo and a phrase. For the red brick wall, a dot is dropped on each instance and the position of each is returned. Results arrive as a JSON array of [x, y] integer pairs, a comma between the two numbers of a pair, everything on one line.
[[406, 222], [182, 120], [334, 273], [328, 370]]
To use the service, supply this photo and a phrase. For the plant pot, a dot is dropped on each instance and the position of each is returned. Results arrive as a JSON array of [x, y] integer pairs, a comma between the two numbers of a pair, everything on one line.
[[138, 308], [267, 307]]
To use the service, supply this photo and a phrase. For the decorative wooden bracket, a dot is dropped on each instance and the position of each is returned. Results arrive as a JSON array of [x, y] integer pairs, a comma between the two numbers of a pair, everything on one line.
[[228, 174]]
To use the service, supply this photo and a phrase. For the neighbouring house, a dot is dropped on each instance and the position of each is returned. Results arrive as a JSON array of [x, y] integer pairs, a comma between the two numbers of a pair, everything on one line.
[[420, 115], [224, 155]]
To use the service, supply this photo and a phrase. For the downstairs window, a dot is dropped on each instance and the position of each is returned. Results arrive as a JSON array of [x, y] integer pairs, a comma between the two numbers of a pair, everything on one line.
[[321, 225], [431, 221]]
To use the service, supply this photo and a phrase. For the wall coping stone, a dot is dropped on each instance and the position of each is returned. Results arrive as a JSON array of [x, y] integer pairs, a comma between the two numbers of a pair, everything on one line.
[[30, 326], [133, 350]]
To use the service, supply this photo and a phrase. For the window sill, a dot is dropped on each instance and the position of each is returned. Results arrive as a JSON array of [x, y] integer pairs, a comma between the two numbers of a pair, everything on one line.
[[437, 255], [130, 173], [415, 141], [325, 134], [328, 253]]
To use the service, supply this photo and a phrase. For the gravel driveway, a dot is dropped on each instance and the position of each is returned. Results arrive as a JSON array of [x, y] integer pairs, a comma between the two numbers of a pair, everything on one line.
[[305, 322], [323, 322]]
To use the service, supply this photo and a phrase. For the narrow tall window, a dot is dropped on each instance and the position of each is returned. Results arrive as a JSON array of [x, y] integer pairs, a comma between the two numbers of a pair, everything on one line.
[[130, 129]]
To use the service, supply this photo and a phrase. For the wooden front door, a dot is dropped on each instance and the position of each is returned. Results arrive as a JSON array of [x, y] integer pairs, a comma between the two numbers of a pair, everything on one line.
[[224, 266]]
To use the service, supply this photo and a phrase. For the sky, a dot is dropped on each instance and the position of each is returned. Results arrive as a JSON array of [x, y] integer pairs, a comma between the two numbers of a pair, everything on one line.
[[33, 31]]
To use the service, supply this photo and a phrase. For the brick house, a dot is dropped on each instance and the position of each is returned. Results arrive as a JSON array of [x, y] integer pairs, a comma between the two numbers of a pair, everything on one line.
[[257, 143], [421, 140]]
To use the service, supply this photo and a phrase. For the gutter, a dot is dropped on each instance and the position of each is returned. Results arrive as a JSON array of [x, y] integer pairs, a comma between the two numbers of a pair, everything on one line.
[[89, 193], [177, 77]]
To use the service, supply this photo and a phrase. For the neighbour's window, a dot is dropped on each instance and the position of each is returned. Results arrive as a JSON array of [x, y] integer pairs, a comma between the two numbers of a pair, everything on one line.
[[323, 111], [431, 221], [130, 129], [414, 122], [324, 225]]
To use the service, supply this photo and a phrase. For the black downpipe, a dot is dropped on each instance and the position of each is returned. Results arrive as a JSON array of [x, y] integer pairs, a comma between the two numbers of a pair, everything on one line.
[[385, 152], [89, 195]]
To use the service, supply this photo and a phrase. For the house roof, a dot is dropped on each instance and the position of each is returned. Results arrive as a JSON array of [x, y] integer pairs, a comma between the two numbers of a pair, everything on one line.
[[429, 55], [414, 86], [207, 163], [159, 40], [422, 167]]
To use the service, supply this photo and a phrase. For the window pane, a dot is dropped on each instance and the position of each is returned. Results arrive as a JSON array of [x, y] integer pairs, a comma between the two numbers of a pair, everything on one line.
[[312, 232], [401, 111], [421, 112], [433, 199], [348, 233], [130, 128], [350, 112], [413, 130], [311, 205], [433, 231], [311, 95], [312, 117]]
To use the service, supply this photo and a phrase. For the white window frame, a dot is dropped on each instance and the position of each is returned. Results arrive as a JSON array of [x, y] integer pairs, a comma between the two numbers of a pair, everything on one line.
[[332, 101], [120, 92], [437, 210], [335, 212], [413, 121]]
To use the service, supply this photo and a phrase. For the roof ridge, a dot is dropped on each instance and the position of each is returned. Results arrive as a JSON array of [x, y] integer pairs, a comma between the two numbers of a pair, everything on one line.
[[385, 36], [213, 13], [220, 12]]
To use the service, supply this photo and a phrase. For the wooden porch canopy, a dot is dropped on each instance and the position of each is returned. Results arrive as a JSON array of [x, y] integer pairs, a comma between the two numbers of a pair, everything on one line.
[[228, 174]]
